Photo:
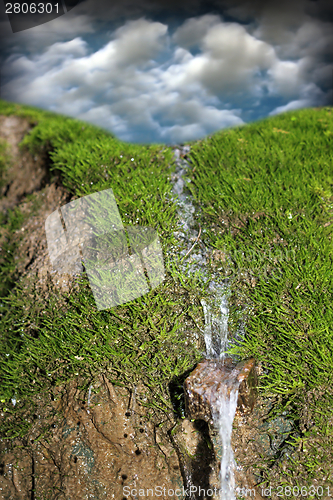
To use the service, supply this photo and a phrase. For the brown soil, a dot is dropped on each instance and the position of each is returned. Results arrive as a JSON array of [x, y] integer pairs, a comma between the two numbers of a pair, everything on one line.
[[29, 175]]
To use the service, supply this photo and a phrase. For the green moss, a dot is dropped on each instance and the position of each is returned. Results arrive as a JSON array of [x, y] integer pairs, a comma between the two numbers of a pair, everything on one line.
[[264, 198], [265, 195], [50, 340], [10, 222]]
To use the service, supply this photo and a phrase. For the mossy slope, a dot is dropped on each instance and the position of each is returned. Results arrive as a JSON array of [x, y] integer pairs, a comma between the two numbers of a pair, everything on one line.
[[264, 197]]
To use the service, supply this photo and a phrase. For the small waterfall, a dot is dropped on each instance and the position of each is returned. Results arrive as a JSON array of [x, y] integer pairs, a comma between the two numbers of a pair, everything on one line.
[[223, 420], [215, 330], [216, 340]]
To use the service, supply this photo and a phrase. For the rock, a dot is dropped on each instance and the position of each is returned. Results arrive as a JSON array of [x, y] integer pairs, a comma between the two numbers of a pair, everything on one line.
[[208, 380], [196, 457], [203, 388]]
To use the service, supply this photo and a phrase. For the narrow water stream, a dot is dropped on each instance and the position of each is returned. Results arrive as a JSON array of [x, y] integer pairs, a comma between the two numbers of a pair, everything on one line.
[[216, 319], [223, 420]]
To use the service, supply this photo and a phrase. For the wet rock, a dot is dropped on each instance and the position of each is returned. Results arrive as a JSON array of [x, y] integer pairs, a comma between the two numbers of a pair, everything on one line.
[[206, 383]]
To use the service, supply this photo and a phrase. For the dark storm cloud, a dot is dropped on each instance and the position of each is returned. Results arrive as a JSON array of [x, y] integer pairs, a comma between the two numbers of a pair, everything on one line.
[[171, 72]]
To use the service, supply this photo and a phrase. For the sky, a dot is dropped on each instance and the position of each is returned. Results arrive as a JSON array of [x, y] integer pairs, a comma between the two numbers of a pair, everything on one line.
[[172, 71]]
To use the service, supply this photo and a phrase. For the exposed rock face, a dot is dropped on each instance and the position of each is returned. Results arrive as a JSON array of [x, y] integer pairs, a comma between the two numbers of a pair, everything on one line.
[[204, 385], [28, 174], [196, 457], [107, 449]]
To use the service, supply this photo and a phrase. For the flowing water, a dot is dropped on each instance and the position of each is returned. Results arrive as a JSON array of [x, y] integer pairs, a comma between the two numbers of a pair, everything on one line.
[[223, 420], [216, 320], [216, 326], [216, 340]]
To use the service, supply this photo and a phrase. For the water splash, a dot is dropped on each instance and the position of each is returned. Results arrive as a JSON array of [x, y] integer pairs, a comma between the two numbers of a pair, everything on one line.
[[216, 325], [216, 340]]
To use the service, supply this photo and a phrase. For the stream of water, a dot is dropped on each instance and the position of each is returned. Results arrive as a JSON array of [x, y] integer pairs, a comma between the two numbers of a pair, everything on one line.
[[216, 320], [223, 420]]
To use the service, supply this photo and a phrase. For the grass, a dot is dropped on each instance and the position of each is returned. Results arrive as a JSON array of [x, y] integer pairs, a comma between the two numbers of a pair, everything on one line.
[[10, 222], [4, 161], [264, 197]]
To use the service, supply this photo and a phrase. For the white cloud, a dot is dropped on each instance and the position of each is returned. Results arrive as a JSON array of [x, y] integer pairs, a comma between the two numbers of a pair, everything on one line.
[[286, 78], [301, 103], [310, 95], [104, 116], [231, 42], [141, 85], [211, 120], [229, 60], [76, 47], [76, 83]]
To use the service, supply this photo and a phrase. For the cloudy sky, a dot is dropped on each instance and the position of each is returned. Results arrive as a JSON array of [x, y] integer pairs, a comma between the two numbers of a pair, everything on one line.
[[172, 71]]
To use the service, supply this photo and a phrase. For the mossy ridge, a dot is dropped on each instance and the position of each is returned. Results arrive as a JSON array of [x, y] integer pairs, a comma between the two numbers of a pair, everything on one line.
[[48, 341]]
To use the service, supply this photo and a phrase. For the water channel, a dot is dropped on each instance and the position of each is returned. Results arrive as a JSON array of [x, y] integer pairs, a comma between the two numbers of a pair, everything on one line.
[[216, 315]]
